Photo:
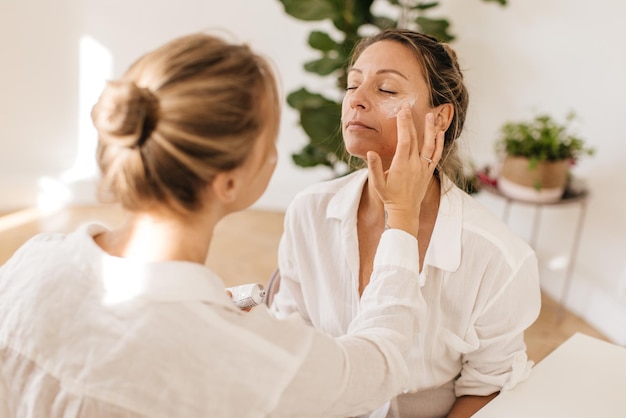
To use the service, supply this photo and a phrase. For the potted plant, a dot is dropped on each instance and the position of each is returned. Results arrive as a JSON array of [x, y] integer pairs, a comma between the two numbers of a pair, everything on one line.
[[537, 157]]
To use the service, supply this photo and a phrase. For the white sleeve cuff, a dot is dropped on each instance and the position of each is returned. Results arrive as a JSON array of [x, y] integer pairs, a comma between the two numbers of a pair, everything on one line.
[[397, 248]]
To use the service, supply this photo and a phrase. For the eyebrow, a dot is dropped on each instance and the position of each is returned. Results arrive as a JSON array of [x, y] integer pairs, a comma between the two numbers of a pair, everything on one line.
[[381, 71]]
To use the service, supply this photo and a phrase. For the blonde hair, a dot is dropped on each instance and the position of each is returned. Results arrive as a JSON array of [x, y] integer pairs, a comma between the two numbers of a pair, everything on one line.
[[445, 81], [178, 116]]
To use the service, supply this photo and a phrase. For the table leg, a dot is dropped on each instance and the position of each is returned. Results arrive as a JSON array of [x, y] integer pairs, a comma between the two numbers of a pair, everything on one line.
[[535, 230], [506, 211], [573, 256]]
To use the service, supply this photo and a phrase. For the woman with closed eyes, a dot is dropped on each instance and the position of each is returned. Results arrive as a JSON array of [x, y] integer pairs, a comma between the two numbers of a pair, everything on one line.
[[479, 280]]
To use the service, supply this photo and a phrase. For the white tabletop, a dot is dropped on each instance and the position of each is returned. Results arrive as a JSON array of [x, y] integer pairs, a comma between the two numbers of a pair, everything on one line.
[[584, 377]]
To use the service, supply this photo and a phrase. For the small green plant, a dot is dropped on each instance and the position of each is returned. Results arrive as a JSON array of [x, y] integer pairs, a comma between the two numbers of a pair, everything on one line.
[[542, 139]]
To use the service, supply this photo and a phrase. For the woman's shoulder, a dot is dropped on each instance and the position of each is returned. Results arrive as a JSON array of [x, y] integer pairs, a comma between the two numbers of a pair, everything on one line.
[[481, 222], [52, 251], [40, 244]]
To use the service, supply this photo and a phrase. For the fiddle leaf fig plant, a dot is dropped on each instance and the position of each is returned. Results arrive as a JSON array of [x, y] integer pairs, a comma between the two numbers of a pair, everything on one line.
[[351, 19]]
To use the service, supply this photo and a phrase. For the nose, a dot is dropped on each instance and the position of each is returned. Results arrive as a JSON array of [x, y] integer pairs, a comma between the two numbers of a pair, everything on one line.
[[357, 99]]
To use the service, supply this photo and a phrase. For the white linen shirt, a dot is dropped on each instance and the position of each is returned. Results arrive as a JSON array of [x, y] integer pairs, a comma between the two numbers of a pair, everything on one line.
[[85, 334], [481, 287]]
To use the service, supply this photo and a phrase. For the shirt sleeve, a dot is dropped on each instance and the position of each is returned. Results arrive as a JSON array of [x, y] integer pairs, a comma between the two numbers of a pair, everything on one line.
[[501, 361], [356, 373]]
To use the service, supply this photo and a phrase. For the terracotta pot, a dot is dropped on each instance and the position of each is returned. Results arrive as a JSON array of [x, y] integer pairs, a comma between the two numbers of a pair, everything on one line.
[[546, 182]]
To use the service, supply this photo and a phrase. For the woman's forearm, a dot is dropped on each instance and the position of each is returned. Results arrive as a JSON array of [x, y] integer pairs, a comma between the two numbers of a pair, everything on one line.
[[466, 406]]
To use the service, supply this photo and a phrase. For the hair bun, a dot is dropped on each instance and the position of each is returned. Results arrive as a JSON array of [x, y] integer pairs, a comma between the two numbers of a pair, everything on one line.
[[125, 114]]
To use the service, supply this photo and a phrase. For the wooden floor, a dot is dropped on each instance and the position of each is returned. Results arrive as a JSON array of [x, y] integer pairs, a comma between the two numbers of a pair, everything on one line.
[[244, 251]]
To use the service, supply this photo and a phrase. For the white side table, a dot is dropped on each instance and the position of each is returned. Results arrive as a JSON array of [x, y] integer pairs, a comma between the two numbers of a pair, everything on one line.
[[570, 197]]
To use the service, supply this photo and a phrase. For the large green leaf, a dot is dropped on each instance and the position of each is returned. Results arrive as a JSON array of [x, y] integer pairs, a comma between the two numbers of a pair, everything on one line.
[[322, 123], [435, 27], [322, 41], [426, 6], [311, 156], [309, 9], [302, 98], [352, 14], [325, 65]]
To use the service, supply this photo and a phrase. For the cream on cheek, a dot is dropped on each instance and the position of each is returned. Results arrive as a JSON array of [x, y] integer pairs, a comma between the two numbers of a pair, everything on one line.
[[392, 105]]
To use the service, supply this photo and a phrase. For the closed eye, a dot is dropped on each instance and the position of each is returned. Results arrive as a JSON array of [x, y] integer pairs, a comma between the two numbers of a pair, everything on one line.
[[388, 91]]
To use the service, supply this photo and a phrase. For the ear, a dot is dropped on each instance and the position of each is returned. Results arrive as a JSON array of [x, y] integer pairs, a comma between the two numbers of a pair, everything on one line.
[[224, 186], [443, 116]]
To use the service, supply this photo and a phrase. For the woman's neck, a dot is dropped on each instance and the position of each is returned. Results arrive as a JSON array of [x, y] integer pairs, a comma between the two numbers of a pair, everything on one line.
[[150, 236]]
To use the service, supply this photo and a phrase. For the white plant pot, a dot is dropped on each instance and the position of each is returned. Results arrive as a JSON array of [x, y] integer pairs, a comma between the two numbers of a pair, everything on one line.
[[544, 184], [529, 194]]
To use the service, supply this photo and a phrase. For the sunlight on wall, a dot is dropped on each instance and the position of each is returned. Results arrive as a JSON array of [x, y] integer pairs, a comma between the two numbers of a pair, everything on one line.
[[95, 67], [53, 194]]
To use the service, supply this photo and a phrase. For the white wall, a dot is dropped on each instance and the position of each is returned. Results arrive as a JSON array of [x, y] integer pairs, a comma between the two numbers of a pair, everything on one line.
[[38, 85], [554, 56], [546, 55]]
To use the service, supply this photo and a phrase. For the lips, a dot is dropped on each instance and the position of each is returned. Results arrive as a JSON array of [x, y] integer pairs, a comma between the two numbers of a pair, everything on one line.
[[357, 125]]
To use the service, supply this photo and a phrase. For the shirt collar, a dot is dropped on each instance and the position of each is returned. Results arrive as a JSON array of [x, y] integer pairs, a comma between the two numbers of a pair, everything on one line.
[[344, 204], [444, 250], [167, 281]]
